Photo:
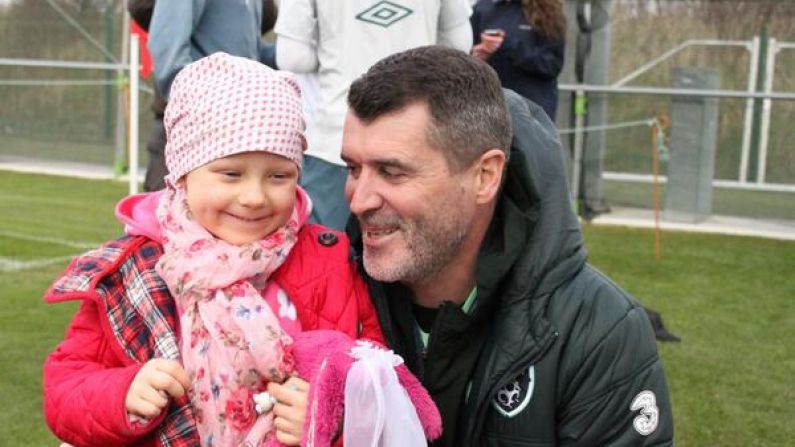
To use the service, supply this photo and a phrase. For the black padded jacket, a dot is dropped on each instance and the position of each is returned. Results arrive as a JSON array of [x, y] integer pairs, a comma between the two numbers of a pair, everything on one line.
[[553, 353]]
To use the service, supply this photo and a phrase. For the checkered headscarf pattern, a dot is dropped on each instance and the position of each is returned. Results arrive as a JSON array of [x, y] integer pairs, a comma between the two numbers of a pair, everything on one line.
[[222, 105]]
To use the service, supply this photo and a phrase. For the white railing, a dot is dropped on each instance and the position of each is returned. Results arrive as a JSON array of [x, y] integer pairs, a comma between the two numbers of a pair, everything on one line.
[[767, 95], [753, 46], [773, 49], [131, 69], [753, 72]]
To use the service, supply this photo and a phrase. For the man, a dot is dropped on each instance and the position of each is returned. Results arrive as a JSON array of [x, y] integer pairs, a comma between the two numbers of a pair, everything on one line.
[[339, 40], [477, 268]]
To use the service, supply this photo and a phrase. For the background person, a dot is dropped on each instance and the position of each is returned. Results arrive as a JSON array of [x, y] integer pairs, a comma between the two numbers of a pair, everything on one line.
[[523, 40], [477, 267], [339, 40]]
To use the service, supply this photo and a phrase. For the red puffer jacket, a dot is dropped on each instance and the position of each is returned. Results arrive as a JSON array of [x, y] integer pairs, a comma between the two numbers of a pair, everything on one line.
[[127, 317]]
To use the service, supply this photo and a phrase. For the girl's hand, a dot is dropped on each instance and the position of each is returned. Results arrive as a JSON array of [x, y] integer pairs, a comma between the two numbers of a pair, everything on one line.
[[155, 382], [290, 409]]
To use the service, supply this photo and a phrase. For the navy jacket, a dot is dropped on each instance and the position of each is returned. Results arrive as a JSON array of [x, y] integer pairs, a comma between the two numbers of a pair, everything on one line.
[[527, 63]]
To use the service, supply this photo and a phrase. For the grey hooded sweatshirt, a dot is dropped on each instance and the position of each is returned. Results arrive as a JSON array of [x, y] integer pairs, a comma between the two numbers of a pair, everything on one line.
[[183, 31]]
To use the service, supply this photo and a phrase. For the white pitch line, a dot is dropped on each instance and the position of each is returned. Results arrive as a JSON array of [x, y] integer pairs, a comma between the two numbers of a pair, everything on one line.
[[8, 265], [48, 240]]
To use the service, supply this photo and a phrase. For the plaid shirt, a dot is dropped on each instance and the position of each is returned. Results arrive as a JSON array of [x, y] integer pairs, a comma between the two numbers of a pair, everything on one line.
[[141, 313]]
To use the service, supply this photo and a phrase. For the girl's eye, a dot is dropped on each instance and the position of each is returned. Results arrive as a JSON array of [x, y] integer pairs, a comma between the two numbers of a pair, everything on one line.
[[283, 175], [231, 174]]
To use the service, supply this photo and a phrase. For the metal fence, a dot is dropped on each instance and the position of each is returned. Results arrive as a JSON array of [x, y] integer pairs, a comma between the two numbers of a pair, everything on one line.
[[64, 73], [637, 155], [64, 85], [754, 164]]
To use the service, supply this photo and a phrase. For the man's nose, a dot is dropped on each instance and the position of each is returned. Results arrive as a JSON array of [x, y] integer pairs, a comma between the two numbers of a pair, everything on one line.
[[362, 194]]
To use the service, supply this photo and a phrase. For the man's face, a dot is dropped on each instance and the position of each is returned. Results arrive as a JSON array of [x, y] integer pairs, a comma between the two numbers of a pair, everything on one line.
[[414, 213]]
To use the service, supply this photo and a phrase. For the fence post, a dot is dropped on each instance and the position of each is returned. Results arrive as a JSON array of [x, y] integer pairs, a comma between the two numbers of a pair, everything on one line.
[[133, 136], [565, 114], [120, 145], [753, 75], [764, 131], [694, 135], [109, 91], [580, 107], [753, 156], [596, 72]]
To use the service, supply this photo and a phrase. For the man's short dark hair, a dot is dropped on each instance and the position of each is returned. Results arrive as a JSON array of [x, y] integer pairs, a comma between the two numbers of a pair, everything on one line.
[[463, 94]]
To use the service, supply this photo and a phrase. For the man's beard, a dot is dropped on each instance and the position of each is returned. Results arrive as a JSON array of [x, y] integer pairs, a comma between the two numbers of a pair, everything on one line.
[[427, 245]]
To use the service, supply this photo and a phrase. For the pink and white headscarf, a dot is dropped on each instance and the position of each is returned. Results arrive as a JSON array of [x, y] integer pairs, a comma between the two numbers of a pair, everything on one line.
[[222, 105], [232, 344]]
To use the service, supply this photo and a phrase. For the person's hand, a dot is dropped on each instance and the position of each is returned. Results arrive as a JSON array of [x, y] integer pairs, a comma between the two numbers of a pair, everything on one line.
[[489, 43], [151, 387], [479, 52], [492, 40], [290, 409]]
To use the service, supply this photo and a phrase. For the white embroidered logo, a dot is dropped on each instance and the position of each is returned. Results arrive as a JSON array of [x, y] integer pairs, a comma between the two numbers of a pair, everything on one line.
[[646, 422], [384, 14], [286, 307], [514, 396]]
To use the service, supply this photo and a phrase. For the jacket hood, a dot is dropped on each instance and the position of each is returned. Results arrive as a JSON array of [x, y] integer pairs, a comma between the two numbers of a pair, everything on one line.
[[533, 246], [534, 230], [138, 213]]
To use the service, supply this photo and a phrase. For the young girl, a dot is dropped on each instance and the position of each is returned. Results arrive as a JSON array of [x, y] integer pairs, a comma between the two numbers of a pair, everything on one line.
[[185, 318]]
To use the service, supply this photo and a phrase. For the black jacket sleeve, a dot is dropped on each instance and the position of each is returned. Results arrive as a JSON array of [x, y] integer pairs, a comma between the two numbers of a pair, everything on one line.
[[535, 55], [615, 391]]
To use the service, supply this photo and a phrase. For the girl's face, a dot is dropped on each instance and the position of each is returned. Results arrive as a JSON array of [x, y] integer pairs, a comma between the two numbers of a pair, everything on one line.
[[244, 197]]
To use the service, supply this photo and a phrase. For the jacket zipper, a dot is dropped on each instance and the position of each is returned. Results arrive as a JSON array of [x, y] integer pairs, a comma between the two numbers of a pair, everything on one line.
[[425, 349]]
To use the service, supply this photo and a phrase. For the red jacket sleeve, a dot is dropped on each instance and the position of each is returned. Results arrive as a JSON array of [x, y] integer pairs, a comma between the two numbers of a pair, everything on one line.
[[85, 386], [325, 286]]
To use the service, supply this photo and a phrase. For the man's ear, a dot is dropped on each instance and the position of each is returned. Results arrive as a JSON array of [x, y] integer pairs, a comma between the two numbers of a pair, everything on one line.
[[490, 168]]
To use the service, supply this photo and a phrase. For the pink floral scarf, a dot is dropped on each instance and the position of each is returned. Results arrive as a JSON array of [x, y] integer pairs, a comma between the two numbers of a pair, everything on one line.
[[231, 342]]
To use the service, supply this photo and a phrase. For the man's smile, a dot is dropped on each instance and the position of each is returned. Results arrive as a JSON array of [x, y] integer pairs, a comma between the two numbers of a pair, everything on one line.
[[378, 234]]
